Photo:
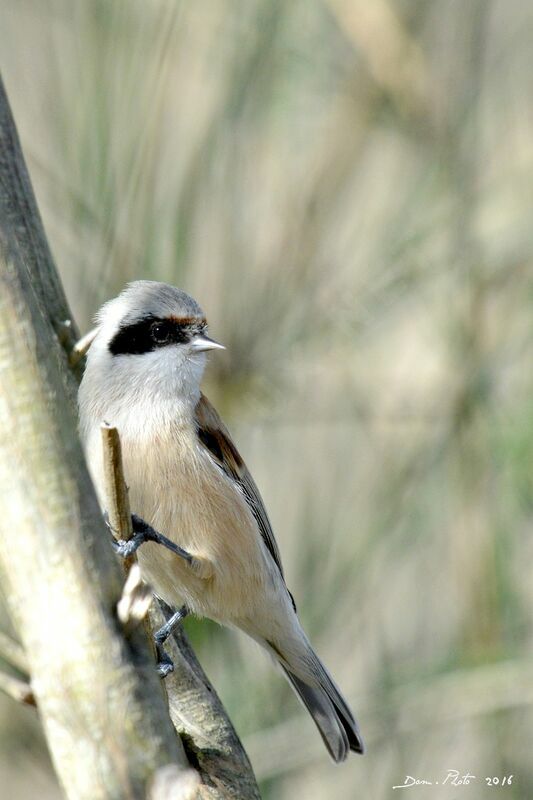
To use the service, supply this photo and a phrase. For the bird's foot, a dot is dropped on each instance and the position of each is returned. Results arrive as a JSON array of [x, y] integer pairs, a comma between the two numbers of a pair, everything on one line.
[[142, 532], [165, 664], [170, 625]]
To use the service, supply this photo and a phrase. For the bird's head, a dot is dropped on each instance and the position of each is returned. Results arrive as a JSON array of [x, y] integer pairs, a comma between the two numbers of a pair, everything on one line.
[[151, 344]]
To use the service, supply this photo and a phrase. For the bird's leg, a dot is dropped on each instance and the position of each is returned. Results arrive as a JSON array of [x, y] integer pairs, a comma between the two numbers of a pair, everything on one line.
[[202, 567], [164, 662], [170, 625], [142, 532]]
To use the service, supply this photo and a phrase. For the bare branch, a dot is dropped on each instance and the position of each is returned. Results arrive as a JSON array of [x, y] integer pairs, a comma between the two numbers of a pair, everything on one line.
[[207, 733], [116, 491]]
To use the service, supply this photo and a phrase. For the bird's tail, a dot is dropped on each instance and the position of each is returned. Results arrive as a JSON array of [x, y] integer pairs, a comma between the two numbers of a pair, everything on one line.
[[328, 708]]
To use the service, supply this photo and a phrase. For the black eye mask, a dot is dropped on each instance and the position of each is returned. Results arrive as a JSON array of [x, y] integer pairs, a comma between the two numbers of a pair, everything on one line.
[[151, 333]]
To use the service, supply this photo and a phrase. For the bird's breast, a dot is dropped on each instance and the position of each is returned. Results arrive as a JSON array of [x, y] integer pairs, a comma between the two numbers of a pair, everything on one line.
[[177, 488]]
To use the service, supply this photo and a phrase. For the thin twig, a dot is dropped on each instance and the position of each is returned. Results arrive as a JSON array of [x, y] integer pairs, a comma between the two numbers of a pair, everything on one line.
[[136, 596], [81, 347], [17, 689], [116, 491], [13, 653]]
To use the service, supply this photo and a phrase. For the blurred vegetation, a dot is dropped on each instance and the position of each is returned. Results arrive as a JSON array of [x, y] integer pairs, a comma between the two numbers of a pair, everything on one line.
[[346, 187]]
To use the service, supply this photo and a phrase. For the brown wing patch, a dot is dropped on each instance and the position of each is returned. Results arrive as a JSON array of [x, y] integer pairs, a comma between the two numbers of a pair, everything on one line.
[[222, 449], [216, 439], [212, 443]]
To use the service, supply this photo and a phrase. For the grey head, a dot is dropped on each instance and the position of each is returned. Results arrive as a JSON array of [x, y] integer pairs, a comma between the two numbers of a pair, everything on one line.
[[148, 316], [151, 344]]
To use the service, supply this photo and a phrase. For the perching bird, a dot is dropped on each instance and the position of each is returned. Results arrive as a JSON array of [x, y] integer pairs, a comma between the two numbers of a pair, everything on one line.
[[187, 480]]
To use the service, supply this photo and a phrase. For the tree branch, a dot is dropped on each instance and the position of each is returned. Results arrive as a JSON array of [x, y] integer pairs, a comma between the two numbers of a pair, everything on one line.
[[207, 733]]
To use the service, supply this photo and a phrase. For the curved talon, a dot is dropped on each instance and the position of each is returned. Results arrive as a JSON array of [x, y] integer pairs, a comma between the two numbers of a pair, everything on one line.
[[125, 547], [165, 665]]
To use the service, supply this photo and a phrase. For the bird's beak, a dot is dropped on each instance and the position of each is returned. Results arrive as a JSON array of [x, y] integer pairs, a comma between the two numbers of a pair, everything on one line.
[[202, 342]]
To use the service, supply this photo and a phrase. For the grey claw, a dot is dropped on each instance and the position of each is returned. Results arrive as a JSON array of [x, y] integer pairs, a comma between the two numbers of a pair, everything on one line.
[[165, 665], [125, 547], [164, 669]]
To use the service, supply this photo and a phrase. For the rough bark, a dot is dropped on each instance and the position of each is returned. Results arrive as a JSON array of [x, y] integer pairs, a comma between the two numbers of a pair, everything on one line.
[[209, 738], [102, 705]]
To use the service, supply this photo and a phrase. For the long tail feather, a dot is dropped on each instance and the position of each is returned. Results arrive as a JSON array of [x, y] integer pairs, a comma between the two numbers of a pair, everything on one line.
[[330, 713]]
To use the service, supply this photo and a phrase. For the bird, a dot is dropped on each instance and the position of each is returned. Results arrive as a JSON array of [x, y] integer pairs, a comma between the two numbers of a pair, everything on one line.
[[188, 481]]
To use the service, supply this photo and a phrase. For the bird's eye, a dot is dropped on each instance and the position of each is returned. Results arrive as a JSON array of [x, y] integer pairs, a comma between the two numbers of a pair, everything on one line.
[[160, 332]]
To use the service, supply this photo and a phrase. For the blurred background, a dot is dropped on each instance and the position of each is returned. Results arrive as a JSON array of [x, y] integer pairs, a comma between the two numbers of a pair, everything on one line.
[[347, 188]]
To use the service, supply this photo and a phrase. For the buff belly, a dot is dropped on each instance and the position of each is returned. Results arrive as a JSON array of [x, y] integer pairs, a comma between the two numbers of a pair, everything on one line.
[[197, 507]]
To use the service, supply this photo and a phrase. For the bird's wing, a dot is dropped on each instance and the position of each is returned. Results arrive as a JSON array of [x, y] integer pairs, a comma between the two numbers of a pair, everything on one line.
[[215, 437]]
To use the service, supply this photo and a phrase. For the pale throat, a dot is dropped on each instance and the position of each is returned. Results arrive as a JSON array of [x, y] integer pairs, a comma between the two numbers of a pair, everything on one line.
[[144, 403]]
